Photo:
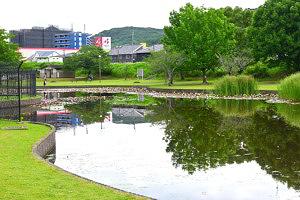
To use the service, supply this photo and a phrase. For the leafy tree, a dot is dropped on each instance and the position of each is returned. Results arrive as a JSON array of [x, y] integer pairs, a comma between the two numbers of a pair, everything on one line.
[[8, 51], [166, 62], [236, 62], [275, 32], [242, 19], [88, 60], [201, 34]]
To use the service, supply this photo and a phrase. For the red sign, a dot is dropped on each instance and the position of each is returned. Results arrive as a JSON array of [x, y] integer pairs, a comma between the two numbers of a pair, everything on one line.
[[98, 41]]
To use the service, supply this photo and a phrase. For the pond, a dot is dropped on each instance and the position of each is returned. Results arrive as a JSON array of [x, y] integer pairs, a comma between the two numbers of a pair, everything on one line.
[[169, 148]]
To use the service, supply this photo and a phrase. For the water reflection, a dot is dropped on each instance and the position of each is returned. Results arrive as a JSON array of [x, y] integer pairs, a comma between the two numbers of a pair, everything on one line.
[[200, 138]]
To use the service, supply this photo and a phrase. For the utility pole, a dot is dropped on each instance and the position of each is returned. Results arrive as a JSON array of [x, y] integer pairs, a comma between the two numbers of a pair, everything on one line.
[[132, 35]]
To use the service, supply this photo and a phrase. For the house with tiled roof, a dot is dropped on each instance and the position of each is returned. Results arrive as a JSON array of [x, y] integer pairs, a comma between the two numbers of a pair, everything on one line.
[[132, 53]]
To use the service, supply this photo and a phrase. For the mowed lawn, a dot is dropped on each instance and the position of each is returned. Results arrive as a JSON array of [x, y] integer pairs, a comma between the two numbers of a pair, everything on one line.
[[22, 176], [159, 84]]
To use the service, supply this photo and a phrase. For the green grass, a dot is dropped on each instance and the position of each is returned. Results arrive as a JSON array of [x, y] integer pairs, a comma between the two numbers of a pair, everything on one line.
[[25, 177], [159, 84], [236, 85], [289, 88]]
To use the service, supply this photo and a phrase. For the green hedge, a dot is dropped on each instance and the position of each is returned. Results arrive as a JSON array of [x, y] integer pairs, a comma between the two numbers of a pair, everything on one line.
[[39, 65], [289, 88], [121, 70], [236, 85], [257, 70]]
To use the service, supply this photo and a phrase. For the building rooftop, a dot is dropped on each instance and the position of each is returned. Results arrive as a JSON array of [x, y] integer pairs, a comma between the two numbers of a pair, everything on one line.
[[135, 49], [126, 49], [157, 47], [44, 54]]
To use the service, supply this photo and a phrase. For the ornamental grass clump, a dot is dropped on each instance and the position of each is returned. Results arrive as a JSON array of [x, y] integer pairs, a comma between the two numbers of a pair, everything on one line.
[[289, 88], [236, 86]]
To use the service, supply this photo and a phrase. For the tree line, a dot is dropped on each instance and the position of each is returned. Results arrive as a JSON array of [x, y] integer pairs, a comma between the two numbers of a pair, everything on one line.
[[201, 41], [231, 39]]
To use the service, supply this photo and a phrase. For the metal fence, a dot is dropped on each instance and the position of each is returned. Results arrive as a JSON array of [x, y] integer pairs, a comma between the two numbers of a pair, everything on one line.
[[9, 78]]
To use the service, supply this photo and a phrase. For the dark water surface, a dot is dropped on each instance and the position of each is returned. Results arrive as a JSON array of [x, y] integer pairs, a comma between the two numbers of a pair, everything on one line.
[[181, 148]]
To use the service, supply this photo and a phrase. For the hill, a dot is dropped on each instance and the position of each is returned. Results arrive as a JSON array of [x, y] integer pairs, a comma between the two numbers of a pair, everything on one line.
[[122, 36]]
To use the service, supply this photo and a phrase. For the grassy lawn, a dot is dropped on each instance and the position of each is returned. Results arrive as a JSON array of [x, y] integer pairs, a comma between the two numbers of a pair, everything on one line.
[[25, 177], [191, 84]]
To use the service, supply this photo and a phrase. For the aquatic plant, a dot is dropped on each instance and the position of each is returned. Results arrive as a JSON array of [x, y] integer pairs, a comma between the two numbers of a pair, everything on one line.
[[289, 88], [236, 85]]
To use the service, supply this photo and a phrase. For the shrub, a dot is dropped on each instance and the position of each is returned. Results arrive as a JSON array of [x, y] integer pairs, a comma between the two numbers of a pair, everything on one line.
[[28, 65], [289, 88], [218, 72], [122, 70], [279, 71], [236, 85], [258, 70]]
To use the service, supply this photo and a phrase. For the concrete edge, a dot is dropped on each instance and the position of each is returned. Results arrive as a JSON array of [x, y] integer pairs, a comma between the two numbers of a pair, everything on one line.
[[37, 155]]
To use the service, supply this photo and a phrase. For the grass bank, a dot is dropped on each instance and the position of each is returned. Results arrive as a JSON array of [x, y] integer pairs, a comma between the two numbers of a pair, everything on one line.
[[25, 177], [160, 84], [290, 87]]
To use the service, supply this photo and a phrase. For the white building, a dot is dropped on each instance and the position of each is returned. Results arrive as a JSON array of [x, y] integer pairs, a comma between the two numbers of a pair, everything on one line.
[[46, 56]]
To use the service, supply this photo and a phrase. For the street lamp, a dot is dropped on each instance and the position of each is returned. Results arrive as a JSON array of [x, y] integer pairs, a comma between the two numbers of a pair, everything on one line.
[[100, 68]]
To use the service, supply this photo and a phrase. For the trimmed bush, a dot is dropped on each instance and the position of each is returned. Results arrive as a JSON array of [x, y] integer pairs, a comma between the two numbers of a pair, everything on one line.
[[236, 85], [121, 70], [289, 88], [36, 65], [258, 70], [280, 70]]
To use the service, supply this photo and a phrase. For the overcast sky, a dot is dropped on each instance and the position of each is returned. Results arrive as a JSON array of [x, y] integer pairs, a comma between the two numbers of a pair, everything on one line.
[[99, 15]]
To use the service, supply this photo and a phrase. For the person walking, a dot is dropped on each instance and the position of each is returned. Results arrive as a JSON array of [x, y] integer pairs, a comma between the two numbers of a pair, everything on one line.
[[45, 81]]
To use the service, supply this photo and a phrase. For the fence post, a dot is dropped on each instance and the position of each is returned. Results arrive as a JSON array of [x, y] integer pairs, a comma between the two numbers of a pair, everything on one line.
[[19, 91]]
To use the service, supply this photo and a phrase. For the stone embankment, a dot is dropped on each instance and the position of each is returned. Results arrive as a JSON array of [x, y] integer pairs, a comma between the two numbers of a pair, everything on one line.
[[45, 145], [270, 97]]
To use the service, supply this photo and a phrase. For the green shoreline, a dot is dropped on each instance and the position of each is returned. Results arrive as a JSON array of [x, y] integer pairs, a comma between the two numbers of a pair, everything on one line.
[[24, 176], [152, 84]]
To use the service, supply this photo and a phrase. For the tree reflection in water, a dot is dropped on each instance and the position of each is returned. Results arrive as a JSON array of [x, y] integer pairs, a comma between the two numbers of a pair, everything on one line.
[[200, 135], [204, 134]]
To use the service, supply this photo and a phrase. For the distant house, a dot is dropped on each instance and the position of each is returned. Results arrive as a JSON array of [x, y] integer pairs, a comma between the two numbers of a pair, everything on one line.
[[46, 56], [56, 71], [132, 53], [141, 54], [124, 53]]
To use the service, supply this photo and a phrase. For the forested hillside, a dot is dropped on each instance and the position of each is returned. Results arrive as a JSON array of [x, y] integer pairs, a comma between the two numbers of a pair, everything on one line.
[[122, 36]]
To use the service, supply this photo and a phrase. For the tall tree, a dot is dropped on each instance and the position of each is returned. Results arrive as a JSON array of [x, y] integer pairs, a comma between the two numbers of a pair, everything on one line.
[[242, 19], [8, 51], [275, 32], [201, 34], [88, 59], [166, 62]]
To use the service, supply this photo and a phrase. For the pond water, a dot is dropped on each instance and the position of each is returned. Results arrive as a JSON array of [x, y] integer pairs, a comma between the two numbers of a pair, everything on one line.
[[168, 148]]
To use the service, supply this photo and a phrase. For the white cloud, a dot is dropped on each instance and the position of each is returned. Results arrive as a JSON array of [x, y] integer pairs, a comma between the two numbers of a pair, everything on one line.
[[99, 15]]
